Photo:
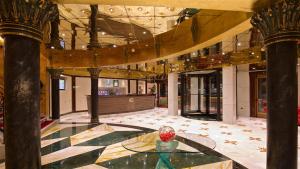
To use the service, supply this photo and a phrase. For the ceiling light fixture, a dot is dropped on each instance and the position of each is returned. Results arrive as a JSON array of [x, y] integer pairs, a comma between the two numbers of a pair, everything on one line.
[[223, 53], [139, 8], [111, 10], [239, 44], [114, 45], [144, 32], [103, 33], [82, 46], [132, 50], [63, 34], [52, 47]]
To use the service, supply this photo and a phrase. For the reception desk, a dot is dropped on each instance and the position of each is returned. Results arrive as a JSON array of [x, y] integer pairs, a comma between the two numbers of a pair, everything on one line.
[[122, 104]]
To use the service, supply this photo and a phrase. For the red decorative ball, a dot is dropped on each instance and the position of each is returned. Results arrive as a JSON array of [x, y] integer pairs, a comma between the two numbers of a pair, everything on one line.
[[166, 133]]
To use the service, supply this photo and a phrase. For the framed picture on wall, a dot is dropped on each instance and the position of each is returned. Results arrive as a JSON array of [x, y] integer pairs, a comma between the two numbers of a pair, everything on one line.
[[116, 83], [62, 84]]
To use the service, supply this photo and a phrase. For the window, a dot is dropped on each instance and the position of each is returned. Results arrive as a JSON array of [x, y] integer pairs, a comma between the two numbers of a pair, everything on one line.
[[62, 84], [116, 83]]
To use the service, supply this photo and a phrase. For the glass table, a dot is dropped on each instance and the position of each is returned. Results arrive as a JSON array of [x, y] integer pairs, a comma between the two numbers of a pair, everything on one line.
[[174, 154]]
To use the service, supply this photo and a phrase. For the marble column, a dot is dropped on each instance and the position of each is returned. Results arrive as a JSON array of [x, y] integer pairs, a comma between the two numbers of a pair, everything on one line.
[[22, 39], [218, 86], [183, 93], [207, 94], [229, 94], [173, 94], [279, 25], [94, 43], [94, 72], [54, 35], [55, 76]]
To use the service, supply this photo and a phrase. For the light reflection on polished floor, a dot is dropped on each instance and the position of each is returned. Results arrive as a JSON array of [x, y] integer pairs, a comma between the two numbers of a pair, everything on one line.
[[244, 142]]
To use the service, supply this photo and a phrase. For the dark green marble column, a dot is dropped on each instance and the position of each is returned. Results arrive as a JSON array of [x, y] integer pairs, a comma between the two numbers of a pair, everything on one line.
[[94, 29], [279, 25], [94, 72], [55, 99], [22, 102], [22, 37]]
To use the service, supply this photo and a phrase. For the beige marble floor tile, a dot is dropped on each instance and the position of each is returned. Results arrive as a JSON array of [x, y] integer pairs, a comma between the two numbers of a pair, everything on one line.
[[66, 153], [45, 143], [93, 166], [91, 133]]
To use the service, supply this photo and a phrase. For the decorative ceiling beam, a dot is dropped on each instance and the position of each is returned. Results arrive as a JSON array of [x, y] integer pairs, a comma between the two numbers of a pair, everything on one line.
[[206, 28], [230, 5]]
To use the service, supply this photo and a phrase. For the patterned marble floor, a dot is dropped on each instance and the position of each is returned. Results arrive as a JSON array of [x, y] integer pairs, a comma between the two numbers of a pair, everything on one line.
[[244, 142], [104, 146]]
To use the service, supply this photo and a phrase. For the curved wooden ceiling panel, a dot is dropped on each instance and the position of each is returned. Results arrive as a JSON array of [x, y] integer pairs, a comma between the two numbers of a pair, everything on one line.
[[229, 5], [202, 30]]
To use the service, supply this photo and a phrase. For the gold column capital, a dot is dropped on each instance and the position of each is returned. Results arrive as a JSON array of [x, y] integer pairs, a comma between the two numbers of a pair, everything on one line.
[[55, 73], [25, 17], [94, 72], [279, 21]]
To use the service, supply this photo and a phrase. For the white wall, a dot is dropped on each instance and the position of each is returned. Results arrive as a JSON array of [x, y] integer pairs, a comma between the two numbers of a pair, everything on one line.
[[229, 94], [132, 86], [65, 99], [83, 88], [243, 90], [173, 94]]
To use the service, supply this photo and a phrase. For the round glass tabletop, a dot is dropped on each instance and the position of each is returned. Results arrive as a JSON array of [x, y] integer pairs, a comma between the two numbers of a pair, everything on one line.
[[151, 143]]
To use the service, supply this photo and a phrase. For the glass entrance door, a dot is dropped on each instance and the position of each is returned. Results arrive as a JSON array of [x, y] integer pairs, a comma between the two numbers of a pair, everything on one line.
[[201, 94], [261, 99]]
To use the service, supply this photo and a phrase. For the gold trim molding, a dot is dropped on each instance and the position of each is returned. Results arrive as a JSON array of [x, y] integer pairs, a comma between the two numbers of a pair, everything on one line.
[[279, 22], [25, 17]]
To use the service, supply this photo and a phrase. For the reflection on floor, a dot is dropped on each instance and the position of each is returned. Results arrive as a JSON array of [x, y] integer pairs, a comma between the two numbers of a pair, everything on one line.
[[244, 142]]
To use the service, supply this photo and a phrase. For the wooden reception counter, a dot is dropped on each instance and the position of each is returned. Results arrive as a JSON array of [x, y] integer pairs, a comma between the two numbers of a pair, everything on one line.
[[122, 104]]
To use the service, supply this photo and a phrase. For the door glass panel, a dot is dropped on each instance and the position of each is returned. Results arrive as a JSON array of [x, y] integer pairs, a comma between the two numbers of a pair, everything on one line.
[[261, 97], [194, 94]]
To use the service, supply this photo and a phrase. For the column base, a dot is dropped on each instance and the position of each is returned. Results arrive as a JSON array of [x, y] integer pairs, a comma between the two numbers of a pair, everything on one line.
[[95, 121]]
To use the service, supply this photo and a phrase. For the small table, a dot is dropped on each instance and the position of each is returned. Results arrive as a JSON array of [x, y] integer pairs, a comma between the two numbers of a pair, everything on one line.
[[151, 143]]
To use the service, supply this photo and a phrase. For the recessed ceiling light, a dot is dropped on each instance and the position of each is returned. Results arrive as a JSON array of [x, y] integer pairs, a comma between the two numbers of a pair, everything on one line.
[[52, 47], [252, 53], [144, 32], [139, 8], [63, 34], [111, 10], [114, 45], [239, 44], [133, 50], [223, 53], [82, 46], [103, 33]]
